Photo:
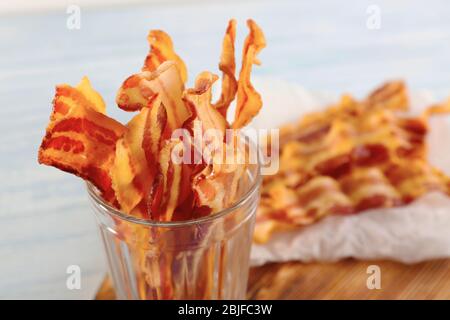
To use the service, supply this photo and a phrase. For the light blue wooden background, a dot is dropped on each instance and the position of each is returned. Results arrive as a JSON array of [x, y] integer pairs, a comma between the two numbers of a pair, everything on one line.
[[45, 221]]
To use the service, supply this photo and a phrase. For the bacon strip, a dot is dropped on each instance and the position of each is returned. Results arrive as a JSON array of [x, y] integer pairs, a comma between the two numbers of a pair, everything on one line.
[[80, 139], [283, 208], [133, 170], [215, 187], [200, 99], [161, 50], [154, 128], [249, 101], [368, 188], [67, 98], [391, 95], [440, 108], [227, 65], [138, 89], [165, 193], [209, 192], [415, 179]]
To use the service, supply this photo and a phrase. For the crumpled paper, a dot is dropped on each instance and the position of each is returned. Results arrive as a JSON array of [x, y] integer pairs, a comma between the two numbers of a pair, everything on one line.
[[409, 234]]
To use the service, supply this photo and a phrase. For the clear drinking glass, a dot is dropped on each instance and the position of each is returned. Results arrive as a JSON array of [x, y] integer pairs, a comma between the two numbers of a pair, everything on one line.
[[205, 258]]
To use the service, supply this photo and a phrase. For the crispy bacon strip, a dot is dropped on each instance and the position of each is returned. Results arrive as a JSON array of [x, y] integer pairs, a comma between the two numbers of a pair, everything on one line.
[[249, 101], [319, 197], [80, 139], [134, 170], [132, 94], [136, 91], [161, 50], [207, 118], [283, 208], [166, 191], [209, 191], [415, 178], [123, 174], [368, 188], [391, 95], [227, 65], [154, 129], [67, 98], [200, 99], [440, 108], [216, 185]]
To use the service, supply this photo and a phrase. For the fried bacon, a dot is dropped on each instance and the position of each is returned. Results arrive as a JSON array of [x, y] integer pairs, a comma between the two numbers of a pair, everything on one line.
[[161, 50], [373, 155], [392, 95], [133, 170], [160, 76], [200, 99], [415, 179], [216, 186], [67, 98], [166, 190], [141, 168], [133, 95], [80, 139], [439, 108], [227, 65], [133, 165], [368, 188], [208, 190], [282, 206], [249, 101], [208, 185], [138, 89]]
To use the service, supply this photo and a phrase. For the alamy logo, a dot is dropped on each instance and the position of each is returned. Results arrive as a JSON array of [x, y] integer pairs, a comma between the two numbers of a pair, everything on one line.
[[73, 281], [74, 19], [374, 19], [227, 147], [374, 279]]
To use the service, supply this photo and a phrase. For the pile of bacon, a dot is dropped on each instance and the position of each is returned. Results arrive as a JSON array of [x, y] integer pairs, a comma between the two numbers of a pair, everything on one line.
[[353, 156], [131, 164]]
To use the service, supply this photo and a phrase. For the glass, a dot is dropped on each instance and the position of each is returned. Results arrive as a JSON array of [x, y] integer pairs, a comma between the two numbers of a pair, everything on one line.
[[205, 258]]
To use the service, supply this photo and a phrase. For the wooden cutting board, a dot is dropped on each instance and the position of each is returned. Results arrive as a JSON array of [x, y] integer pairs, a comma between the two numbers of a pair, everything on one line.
[[343, 280]]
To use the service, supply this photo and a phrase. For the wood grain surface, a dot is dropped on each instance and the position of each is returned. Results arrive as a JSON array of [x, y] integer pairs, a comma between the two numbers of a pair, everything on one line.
[[342, 280]]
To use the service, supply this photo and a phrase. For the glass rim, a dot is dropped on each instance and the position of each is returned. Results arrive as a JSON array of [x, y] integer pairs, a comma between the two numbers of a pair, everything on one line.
[[154, 223]]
